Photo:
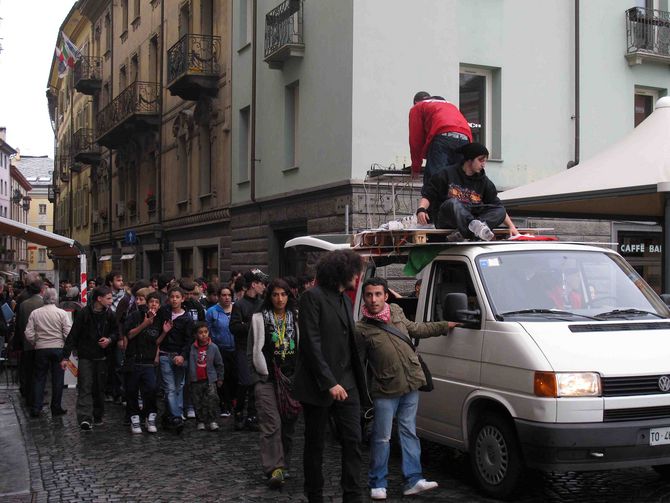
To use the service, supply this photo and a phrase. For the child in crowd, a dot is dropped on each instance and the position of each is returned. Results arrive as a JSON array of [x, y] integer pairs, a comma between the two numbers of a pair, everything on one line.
[[175, 343], [142, 332], [205, 374]]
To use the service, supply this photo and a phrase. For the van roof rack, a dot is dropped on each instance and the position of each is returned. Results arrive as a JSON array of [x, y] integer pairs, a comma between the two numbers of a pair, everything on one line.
[[409, 238]]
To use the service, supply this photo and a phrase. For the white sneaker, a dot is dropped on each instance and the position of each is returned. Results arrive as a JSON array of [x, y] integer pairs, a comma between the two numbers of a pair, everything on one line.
[[213, 426], [201, 426], [420, 486], [151, 423], [190, 413], [378, 493], [481, 230], [135, 424]]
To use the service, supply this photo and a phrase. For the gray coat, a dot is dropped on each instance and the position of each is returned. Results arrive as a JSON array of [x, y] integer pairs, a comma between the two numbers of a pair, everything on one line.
[[214, 364]]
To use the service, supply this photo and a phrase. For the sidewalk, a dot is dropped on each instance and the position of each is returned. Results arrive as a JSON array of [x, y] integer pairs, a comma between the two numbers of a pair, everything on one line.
[[14, 468]]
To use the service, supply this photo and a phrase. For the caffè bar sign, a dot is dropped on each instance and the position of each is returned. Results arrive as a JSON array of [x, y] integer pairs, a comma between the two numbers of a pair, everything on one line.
[[640, 244]]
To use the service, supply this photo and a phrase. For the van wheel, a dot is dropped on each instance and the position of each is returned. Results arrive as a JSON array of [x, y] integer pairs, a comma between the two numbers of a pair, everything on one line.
[[495, 455], [662, 470]]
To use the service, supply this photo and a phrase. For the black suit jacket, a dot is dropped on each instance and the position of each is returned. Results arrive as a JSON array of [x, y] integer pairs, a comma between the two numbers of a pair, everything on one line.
[[326, 337]]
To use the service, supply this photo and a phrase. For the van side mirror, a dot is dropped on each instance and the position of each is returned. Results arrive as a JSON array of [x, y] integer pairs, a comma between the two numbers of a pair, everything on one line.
[[665, 297], [455, 308]]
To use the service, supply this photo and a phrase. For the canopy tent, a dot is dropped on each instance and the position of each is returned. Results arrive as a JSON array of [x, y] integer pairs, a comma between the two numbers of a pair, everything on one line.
[[629, 180], [61, 247]]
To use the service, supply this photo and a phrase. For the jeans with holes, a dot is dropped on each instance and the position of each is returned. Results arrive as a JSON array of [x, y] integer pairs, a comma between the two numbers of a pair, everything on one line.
[[404, 408], [173, 385]]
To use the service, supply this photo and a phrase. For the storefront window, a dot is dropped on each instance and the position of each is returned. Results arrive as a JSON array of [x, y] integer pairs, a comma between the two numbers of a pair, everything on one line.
[[210, 264], [186, 261], [643, 251]]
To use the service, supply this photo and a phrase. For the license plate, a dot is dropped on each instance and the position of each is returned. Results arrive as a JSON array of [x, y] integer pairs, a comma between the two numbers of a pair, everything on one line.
[[659, 436]]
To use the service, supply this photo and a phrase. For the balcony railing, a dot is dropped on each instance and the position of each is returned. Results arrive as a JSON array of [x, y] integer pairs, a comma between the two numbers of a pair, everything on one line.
[[84, 147], [648, 33], [283, 33], [193, 66], [137, 105], [88, 75]]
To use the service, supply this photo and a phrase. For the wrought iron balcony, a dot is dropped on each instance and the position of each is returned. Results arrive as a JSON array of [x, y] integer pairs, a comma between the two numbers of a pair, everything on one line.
[[648, 32], [88, 75], [137, 108], [193, 66], [84, 147], [283, 33], [52, 192]]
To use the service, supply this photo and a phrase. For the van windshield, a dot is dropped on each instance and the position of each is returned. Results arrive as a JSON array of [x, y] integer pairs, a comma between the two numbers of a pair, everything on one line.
[[546, 285]]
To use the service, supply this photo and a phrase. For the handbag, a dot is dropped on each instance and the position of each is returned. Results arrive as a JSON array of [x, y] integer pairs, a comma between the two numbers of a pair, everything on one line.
[[289, 407], [394, 331]]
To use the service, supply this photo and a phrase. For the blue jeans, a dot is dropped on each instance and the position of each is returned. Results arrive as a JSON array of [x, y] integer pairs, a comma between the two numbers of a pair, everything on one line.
[[48, 360], [173, 385], [404, 408], [442, 153]]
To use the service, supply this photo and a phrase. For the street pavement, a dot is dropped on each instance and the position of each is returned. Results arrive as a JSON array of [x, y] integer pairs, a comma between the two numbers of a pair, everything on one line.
[[53, 461]]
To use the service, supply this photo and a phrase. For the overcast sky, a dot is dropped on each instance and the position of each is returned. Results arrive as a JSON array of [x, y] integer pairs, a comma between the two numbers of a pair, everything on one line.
[[28, 30]]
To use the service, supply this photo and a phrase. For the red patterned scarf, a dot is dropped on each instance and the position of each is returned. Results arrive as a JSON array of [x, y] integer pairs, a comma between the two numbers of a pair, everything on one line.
[[384, 315]]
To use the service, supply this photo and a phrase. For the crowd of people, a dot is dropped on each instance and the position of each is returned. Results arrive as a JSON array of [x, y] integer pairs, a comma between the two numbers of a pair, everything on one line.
[[263, 350]]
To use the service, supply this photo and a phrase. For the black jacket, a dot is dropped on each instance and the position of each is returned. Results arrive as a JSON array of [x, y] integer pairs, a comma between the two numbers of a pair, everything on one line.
[[194, 309], [327, 339], [452, 182], [240, 319], [180, 337], [88, 328], [142, 347]]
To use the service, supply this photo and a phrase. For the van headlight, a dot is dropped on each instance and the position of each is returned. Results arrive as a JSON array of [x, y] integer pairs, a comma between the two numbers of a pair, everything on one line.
[[567, 384]]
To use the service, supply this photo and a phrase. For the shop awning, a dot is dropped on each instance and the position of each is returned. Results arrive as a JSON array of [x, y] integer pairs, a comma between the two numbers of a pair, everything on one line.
[[60, 246], [128, 256], [105, 258]]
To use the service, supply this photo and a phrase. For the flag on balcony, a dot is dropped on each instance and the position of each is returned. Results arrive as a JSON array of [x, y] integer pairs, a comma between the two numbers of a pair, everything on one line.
[[67, 55]]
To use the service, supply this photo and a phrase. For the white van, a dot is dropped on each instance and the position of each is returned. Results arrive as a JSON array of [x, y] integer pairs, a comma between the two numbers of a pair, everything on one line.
[[562, 364]]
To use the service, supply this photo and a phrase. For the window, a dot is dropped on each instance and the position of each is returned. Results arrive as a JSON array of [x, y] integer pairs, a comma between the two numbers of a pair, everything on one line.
[[134, 69], [43, 227], [479, 102], [243, 145], [205, 143], [124, 17], [291, 126], [184, 20], [42, 209], [42, 255], [183, 166], [153, 60], [123, 78], [207, 17], [451, 277], [645, 99], [210, 264], [246, 18], [136, 9], [186, 262], [108, 33]]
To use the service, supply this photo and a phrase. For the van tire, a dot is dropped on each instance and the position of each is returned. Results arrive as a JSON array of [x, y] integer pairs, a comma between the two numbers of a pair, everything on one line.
[[495, 455], [662, 470]]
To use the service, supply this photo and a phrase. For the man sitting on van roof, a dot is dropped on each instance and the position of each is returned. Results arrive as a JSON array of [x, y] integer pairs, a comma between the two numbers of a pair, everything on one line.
[[462, 197]]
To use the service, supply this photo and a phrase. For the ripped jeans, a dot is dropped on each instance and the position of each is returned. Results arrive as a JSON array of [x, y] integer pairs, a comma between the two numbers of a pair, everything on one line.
[[404, 408]]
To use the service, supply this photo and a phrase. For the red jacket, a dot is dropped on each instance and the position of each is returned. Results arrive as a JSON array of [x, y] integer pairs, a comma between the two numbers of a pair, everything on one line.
[[429, 118]]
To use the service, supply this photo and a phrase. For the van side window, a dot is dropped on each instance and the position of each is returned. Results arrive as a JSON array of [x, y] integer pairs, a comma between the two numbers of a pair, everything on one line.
[[451, 277]]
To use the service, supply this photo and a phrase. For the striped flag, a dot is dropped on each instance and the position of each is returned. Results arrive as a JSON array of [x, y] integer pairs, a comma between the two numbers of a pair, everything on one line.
[[67, 55]]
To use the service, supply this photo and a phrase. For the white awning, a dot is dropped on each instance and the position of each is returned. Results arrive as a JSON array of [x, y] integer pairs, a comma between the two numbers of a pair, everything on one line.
[[60, 246], [105, 258], [129, 256]]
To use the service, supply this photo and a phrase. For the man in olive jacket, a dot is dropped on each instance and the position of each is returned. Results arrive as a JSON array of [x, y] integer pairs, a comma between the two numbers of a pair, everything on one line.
[[396, 379]]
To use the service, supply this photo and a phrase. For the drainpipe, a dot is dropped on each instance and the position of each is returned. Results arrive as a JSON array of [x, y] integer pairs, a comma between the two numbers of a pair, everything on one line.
[[159, 161], [111, 152], [252, 175], [576, 117]]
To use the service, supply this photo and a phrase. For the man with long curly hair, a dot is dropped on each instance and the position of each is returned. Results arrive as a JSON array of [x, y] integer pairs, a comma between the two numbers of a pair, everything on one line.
[[329, 379]]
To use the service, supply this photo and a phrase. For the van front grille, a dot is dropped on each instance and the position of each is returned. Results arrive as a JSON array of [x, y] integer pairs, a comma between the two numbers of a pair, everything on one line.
[[631, 386], [638, 414]]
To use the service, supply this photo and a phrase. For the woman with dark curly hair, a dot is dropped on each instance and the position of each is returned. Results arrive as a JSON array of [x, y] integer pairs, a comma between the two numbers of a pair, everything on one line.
[[272, 348]]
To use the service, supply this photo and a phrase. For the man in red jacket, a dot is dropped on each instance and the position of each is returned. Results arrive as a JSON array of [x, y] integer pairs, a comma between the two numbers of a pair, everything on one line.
[[436, 129]]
